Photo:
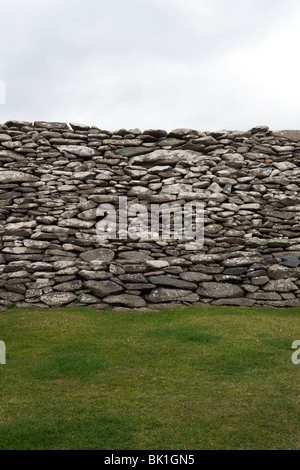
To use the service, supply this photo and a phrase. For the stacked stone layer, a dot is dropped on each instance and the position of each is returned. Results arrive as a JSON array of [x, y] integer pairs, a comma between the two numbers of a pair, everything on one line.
[[53, 177]]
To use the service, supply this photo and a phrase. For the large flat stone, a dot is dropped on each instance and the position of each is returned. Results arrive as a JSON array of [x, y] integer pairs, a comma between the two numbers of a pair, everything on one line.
[[281, 285], [16, 177], [11, 296], [283, 272], [169, 157], [126, 299], [58, 299], [195, 277], [169, 295], [70, 286], [132, 151], [78, 150], [208, 259], [104, 288], [289, 134], [171, 282], [238, 302], [242, 261], [76, 223], [101, 254], [217, 290], [134, 256]]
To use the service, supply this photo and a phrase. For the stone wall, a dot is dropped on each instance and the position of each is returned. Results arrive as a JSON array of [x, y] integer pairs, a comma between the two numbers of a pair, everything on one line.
[[54, 176]]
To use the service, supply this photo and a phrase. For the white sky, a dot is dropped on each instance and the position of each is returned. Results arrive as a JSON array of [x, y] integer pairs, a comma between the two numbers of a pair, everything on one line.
[[204, 64]]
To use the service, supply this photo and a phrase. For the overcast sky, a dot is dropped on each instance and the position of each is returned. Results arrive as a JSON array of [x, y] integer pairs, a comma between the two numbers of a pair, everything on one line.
[[204, 64]]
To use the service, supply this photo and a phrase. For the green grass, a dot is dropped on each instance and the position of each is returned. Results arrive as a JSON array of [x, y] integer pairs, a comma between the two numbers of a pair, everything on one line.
[[199, 378]]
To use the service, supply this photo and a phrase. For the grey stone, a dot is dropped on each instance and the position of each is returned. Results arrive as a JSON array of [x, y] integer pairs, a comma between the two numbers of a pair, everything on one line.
[[134, 256], [282, 272], [9, 195], [291, 261], [264, 296], [260, 129], [282, 285], [35, 244], [83, 175], [139, 191], [58, 299], [101, 254], [284, 303], [88, 299], [157, 264], [90, 214], [293, 135], [116, 269], [195, 277], [78, 150], [125, 299], [217, 290], [250, 207], [21, 225], [169, 157], [157, 133], [76, 223], [207, 259], [11, 296], [235, 271], [241, 261], [139, 286], [260, 281], [20, 250], [135, 277], [135, 268], [16, 177], [132, 151], [94, 275], [169, 281], [71, 286], [169, 295], [104, 288], [238, 302]]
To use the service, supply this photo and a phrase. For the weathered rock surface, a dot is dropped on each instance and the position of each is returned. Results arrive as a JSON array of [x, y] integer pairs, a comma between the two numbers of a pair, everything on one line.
[[220, 290], [104, 288], [16, 177], [78, 150], [170, 295], [126, 299], [169, 281], [282, 285], [58, 299], [101, 254]]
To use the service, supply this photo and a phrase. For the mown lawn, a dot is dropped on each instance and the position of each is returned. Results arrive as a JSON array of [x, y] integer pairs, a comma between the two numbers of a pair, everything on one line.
[[199, 378]]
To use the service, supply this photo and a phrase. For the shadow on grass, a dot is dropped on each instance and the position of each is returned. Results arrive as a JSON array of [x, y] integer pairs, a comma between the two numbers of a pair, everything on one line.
[[184, 334], [99, 431], [75, 364], [244, 362]]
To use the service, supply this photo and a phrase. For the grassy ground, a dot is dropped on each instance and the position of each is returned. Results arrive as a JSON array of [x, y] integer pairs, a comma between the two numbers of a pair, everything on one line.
[[200, 378]]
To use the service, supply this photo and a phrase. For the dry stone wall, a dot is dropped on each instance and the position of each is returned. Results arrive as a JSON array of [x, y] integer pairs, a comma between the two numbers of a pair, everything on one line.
[[53, 176]]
